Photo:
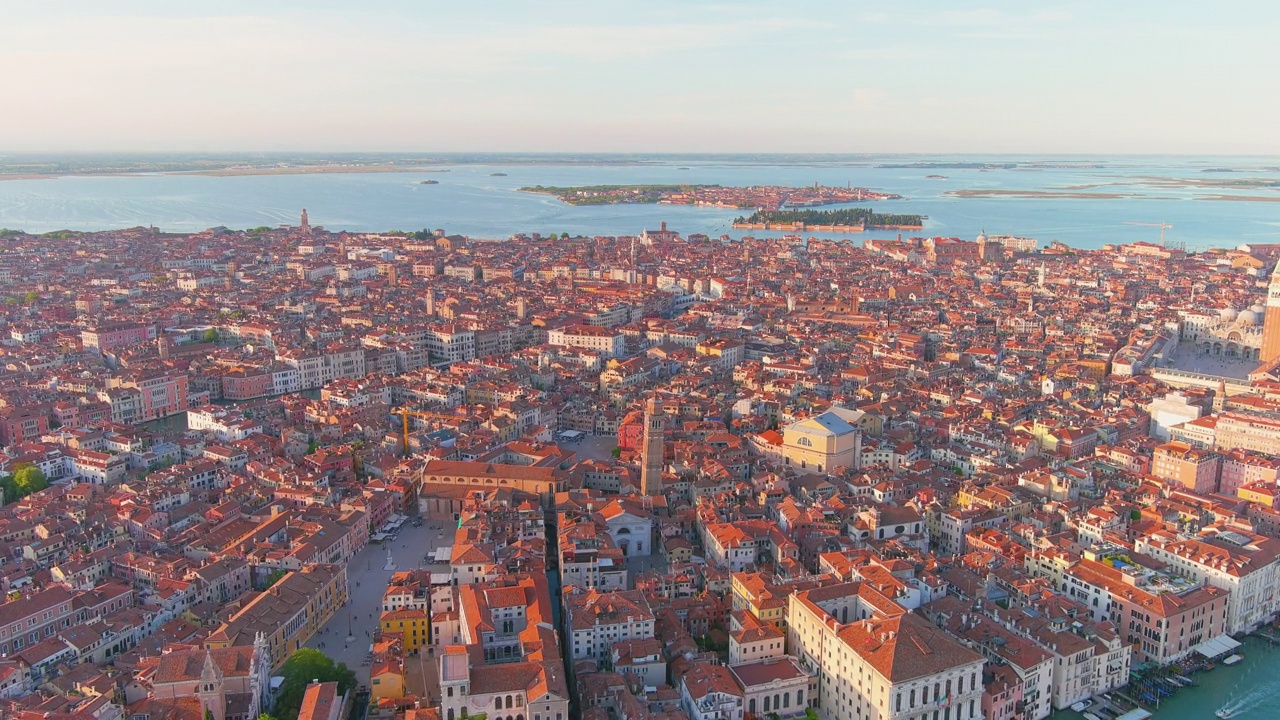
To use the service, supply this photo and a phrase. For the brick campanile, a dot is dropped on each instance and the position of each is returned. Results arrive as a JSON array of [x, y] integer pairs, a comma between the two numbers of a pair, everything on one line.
[[1271, 321], [651, 454]]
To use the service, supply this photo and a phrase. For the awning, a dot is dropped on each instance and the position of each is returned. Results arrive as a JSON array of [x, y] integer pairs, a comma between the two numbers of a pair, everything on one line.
[[1216, 647]]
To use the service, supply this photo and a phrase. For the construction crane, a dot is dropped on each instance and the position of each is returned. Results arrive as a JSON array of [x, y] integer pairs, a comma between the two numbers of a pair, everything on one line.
[[1162, 225], [405, 414]]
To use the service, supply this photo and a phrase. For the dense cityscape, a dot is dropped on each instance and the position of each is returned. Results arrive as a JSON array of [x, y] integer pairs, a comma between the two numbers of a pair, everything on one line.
[[424, 476]]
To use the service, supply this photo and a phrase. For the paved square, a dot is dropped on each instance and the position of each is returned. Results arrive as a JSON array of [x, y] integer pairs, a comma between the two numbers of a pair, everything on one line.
[[367, 582]]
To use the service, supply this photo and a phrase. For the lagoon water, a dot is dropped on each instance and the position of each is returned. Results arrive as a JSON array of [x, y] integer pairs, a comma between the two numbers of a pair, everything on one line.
[[470, 200]]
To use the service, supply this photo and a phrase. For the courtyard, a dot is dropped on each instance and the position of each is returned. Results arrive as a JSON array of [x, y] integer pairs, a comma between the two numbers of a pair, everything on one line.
[[593, 447]]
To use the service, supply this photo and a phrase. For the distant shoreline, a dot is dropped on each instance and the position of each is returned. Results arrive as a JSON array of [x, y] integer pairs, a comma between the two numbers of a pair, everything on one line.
[[318, 169], [1041, 194], [308, 170], [234, 172]]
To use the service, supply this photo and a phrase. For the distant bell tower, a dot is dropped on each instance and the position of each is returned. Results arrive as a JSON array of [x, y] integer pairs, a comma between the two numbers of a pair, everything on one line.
[[651, 453], [1271, 321], [305, 225], [1220, 397]]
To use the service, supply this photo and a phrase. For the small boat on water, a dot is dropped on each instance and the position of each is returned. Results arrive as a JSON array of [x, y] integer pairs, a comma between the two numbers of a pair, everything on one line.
[[1091, 716], [1233, 660], [1173, 679], [1225, 713], [1188, 681]]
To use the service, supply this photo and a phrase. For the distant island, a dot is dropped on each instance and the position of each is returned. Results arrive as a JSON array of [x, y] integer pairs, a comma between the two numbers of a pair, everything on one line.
[[614, 194], [497, 174], [974, 165], [429, 182], [947, 166], [842, 220], [763, 197]]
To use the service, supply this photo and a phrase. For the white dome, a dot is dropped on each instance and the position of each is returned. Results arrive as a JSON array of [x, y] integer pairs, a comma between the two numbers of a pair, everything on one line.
[[1257, 309], [1227, 314], [1247, 317]]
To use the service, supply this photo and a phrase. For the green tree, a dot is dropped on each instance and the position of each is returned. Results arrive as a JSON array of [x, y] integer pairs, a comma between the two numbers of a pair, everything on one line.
[[272, 579], [616, 452], [27, 478], [31, 297], [564, 236], [211, 335], [303, 667]]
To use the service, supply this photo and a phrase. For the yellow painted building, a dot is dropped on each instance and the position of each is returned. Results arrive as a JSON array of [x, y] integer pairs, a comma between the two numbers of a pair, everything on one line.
[[386, 679], [823, 442], [1258, 492], [411, 625], [754, 593]]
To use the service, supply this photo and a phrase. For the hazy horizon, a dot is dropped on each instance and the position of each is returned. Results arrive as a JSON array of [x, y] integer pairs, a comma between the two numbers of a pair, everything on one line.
[[1178, 78], [429, 154]]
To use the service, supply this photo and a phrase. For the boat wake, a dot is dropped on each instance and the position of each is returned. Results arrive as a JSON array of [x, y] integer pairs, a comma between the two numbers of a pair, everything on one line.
[[1248, 701]]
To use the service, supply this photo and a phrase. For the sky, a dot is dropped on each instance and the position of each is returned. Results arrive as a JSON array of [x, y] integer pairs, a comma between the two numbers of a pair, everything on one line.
[[1133, 76]]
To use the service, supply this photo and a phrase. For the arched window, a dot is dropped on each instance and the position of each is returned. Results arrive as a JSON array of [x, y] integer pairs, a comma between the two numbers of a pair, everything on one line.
[[766, 703], [804, 442]]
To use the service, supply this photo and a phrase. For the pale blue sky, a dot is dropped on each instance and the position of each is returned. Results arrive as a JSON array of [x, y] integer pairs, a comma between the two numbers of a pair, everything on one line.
[[743, 76]]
